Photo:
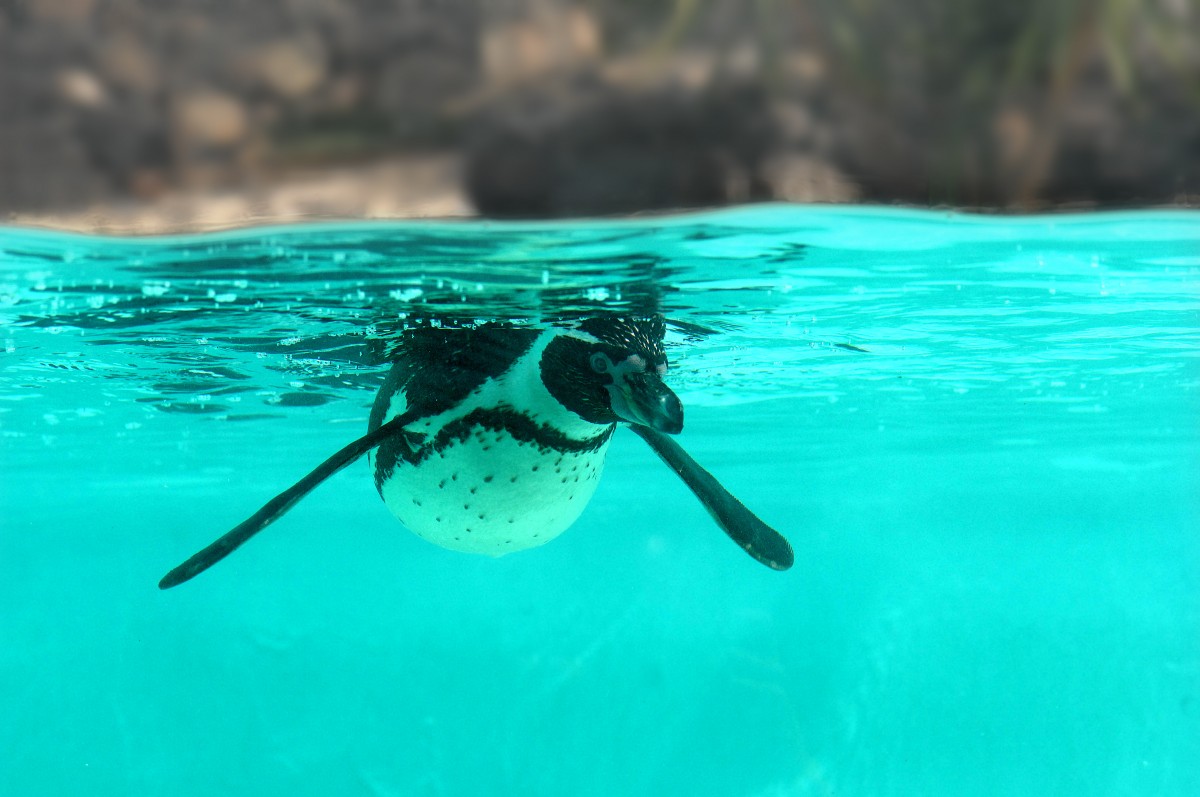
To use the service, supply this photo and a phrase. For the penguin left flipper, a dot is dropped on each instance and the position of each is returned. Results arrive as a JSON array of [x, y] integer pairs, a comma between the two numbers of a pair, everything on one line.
[[744, 527], [280, 504]]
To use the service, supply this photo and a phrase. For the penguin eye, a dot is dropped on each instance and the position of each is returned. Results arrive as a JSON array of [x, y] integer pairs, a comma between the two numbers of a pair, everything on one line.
[[600, 363]]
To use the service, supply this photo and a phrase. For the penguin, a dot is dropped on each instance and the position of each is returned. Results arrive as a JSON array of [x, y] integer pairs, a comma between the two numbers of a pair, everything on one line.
[[491, 439]]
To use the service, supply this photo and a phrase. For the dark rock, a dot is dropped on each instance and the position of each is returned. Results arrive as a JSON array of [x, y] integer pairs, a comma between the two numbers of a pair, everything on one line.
[[592, 147]]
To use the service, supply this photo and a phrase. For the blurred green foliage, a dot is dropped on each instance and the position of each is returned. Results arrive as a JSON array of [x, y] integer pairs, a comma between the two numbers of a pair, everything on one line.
[[947, 75]]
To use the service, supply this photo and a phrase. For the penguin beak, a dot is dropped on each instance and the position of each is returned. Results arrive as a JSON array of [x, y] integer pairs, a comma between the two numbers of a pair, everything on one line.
[[644, 399]]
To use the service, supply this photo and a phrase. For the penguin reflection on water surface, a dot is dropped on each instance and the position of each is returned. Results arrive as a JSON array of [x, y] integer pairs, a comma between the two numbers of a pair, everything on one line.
[[491, 439]]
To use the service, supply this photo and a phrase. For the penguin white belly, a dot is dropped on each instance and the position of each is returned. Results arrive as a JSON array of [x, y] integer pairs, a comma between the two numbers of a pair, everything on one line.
[[492, 493]]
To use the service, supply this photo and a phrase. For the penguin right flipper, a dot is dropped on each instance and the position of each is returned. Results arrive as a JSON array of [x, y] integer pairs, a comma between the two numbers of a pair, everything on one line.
[[755, 537], [280, 504]]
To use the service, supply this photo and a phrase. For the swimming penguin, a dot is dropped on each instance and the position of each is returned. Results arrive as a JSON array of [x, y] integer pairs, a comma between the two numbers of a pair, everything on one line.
[[491, 439]]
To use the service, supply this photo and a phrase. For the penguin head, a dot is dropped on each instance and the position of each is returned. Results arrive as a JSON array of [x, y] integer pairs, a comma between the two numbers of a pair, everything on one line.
[[610, 369]]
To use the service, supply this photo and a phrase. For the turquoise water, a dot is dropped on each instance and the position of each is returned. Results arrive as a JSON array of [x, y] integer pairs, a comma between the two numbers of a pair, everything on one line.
[[979, 434]]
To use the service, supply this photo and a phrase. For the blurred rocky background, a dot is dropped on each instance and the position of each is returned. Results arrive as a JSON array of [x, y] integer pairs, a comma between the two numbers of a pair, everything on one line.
[[145, 116]]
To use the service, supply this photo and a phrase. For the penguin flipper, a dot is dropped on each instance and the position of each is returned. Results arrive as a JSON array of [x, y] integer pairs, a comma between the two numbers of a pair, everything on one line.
[[280, 504], [755, 537]]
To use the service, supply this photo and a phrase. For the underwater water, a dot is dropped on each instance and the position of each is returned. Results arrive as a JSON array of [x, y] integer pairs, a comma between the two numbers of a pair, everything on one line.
[[980, 435]]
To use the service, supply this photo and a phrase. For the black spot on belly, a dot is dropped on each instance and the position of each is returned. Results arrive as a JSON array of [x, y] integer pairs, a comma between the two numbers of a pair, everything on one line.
[[488, 478], [513, 480], [473, 490]]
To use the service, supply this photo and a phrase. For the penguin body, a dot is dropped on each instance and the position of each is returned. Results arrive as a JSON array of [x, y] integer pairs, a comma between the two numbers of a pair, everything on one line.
[[491, 439], [499, 465]]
